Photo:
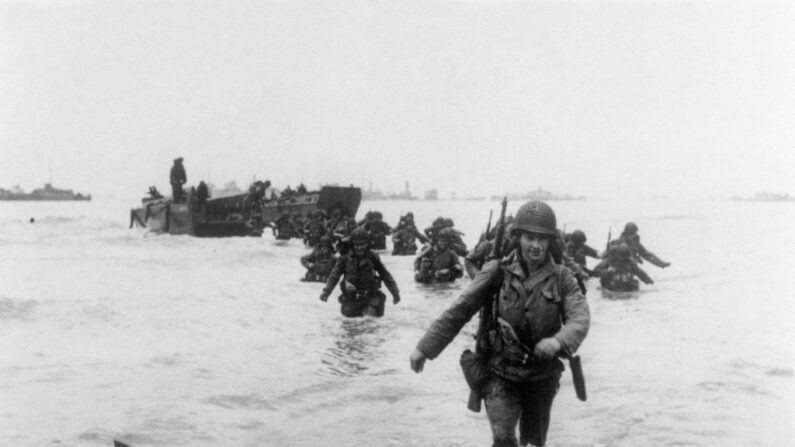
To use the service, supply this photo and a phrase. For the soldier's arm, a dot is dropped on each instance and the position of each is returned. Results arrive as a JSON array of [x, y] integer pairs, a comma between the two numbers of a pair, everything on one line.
[[334, 276], [456, 263], [602, 267], [308, 259], [450, 322], [590, 251], [576, 315], [420, 236], [423, 254], [641, 274], [386, 277], [649, 256]]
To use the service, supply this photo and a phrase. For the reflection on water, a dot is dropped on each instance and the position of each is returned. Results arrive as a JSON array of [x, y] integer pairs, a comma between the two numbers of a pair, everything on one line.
[[356, 342]]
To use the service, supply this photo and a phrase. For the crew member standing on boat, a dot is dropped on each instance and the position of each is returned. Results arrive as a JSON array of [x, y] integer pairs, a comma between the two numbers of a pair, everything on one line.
[[178, 178], [541, 315], [362, 271]]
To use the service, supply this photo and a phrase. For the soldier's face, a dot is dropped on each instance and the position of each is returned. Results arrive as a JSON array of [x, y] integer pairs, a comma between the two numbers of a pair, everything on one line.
[[534, 246], [359, 248]]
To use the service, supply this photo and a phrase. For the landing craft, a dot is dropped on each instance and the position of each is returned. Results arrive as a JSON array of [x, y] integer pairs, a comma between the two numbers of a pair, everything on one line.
[[244, 214]]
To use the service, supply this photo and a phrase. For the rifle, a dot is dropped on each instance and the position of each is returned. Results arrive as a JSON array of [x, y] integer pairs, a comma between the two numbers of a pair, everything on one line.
[[475, 395], [609, 231], [488, 225]]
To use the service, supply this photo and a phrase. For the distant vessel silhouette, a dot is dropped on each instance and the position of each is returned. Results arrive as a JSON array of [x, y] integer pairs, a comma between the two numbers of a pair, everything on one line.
[[766, 197], [48, 193]]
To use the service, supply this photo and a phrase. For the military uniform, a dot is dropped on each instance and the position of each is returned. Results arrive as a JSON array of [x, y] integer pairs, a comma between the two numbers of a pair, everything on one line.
[[618, 270], [177, 178], [361, 275], [378, 230], [437, 264], [404, 240], [320, 262], [631, 237], [283, 227], [547, 316]]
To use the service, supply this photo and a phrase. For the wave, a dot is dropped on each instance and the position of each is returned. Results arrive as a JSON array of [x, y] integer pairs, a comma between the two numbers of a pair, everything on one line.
[[13, 309]]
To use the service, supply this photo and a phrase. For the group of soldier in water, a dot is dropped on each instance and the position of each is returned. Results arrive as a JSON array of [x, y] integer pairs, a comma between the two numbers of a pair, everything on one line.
[[527, 283], [529, 292]]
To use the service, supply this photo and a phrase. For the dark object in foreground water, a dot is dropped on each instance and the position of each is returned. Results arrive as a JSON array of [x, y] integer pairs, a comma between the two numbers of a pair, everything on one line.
[[119, 444]]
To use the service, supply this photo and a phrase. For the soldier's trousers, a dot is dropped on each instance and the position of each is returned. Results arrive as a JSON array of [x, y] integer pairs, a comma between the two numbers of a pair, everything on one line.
[[528, 404], [372, 305]]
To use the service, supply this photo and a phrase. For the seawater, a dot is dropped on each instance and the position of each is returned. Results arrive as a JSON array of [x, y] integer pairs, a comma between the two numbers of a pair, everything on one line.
[[109, 332]]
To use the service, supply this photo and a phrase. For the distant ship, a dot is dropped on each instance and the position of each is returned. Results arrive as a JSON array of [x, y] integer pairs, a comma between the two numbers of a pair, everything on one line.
[[539, 194], [48, 193], [766, 197]]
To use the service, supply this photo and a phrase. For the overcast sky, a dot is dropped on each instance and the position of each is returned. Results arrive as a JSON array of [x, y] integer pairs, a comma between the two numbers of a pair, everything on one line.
[[626, 99]]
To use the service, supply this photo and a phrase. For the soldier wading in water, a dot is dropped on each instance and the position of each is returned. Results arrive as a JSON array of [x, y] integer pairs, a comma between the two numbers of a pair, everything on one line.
[[361, 286], [541, 315]]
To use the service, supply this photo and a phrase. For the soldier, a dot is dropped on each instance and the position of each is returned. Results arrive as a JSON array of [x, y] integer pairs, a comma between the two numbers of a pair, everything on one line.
[[202, 194], [540, 314], [577, 249], [434, 229], [404, 240], [340, 225], [631, 237], [314, 228], [378, 230], [618, 270], [177, 178], [320, 262], [283, 227], [438, 263], [362, 272], [478, 256]]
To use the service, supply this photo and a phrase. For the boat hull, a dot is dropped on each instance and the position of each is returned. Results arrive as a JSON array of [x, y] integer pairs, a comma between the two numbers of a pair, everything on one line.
[[238, 215]]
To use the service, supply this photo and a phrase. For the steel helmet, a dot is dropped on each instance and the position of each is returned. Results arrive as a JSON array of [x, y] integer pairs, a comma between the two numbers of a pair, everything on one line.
[[535, 217], [622, 251], [578, 237], [360, 236], [630, 228]]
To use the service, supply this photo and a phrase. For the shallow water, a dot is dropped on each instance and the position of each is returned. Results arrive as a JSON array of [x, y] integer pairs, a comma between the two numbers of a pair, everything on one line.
[[109, 332]]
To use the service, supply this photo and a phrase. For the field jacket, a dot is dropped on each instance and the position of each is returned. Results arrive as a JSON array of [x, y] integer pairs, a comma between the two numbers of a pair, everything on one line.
[[547, 303]]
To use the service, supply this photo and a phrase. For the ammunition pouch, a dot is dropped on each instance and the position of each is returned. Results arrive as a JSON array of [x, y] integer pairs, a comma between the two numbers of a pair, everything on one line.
[[475, 368]]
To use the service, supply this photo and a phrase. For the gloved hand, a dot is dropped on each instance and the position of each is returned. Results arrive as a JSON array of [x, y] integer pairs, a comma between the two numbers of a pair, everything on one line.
[[395, 299], [323, 296], [441, 273]]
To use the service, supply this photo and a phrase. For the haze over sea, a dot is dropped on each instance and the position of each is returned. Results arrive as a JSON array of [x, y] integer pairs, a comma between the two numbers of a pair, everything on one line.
[[109, 332]]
